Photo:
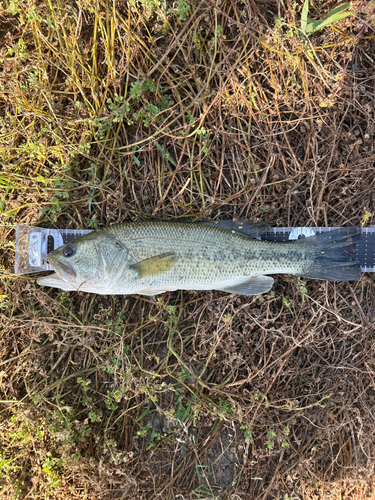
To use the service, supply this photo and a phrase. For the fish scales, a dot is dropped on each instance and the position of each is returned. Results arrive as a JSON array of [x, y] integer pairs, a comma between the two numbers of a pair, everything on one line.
[[208, 254], [156, 256]]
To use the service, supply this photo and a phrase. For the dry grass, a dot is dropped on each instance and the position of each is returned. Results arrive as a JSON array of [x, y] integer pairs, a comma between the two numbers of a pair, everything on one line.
[[196, 110]]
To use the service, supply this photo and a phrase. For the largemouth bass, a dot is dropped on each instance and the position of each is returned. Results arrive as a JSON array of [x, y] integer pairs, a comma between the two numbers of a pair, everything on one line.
[[149, 258]]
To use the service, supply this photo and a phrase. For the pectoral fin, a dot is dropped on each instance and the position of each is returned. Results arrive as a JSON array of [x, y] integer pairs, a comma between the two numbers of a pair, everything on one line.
[[253, 286], [154, 266]]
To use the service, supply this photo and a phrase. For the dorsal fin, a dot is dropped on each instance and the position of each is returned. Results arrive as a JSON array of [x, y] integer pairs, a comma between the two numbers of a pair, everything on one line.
[[250, 228]]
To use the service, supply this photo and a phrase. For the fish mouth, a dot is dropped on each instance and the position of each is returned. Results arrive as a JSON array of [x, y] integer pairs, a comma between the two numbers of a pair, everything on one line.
[[64, 271], [54, 281]]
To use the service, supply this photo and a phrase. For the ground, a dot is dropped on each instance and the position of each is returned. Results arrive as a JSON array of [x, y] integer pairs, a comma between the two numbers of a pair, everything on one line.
[[188, 110]]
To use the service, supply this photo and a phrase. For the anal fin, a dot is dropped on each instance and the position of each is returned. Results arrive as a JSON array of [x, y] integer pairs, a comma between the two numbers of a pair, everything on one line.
[[253, 286]]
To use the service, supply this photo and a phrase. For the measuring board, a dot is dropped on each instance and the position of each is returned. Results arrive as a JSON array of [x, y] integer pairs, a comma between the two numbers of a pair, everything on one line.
[[33, 244]]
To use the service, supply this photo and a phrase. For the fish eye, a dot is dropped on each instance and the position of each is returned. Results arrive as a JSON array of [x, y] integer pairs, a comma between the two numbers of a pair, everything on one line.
[[68, 252]]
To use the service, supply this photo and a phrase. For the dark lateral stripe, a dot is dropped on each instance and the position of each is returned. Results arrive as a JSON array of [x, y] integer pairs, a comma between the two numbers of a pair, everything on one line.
[[365, 250]]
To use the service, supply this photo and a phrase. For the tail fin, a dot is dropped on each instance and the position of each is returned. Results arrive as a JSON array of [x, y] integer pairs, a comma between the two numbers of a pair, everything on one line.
[[335, 255]]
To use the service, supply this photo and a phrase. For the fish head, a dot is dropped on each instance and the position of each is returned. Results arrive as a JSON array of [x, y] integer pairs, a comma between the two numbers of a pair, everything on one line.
[[92, 263]]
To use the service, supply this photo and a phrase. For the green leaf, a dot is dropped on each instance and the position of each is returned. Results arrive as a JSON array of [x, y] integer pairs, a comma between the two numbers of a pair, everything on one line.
[[337, 10], [332, 17], [135, 159], [5, 181], [143, 414], [165, 153], [305, 11], [43, 211], [91, 199], [10, 213]]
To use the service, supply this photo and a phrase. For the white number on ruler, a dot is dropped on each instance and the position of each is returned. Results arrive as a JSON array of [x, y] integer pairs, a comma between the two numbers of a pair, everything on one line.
[[57, 238], [298, 231]]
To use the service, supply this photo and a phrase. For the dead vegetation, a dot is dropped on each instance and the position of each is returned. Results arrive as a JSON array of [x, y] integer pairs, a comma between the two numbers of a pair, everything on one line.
[[196, 110]]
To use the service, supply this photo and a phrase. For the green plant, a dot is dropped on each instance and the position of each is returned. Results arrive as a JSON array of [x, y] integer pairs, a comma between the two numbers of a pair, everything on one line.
[[202, 471], [183, 9], [287, 303], [50, 467], [310, 26], [120, 109], [271, 438], [302, 286], [165, 154], [112, 399], [248, 433]]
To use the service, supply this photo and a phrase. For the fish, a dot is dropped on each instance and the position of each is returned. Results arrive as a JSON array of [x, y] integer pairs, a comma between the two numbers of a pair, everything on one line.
[[153, 257]]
